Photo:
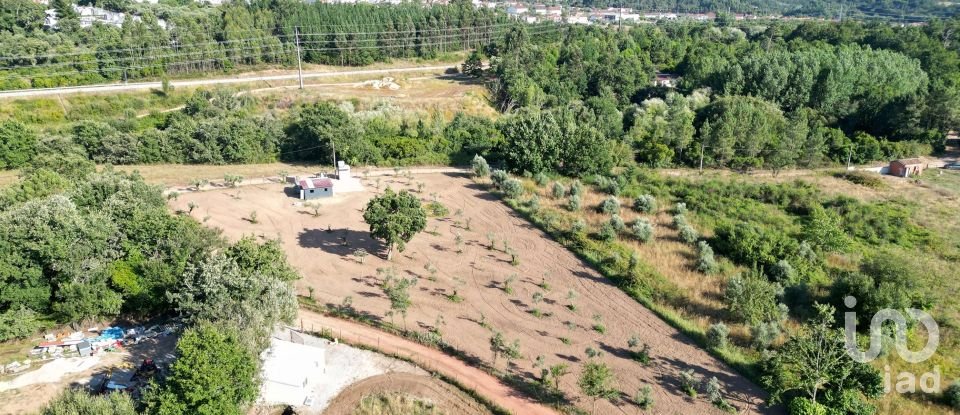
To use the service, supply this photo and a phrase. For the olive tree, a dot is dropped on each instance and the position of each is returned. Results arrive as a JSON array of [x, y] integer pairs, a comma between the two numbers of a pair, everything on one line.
[[395, 218]]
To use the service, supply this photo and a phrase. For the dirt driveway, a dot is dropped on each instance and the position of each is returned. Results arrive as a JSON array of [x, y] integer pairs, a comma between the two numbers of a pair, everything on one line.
[[466, 295], [432, 359]]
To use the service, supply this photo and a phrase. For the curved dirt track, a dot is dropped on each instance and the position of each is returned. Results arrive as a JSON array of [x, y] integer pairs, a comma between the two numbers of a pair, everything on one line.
[[445, 398], [471, 377], [477, 275]]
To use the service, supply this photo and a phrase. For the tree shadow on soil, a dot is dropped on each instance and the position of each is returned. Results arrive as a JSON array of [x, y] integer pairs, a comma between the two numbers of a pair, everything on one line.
[[332, 241]]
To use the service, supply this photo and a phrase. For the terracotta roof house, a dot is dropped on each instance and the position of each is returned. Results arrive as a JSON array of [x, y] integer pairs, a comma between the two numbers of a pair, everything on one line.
[[907, 167], [315, 187]]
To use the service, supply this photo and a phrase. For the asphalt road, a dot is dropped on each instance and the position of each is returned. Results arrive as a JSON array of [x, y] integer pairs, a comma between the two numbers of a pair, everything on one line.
[[135, 86]]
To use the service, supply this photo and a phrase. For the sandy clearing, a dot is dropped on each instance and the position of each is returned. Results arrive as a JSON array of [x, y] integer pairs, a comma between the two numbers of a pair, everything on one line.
[[431, 359], [446, 398], [477, 275]]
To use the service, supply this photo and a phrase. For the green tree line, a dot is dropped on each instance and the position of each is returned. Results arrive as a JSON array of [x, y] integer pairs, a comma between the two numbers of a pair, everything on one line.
[[201, 39]]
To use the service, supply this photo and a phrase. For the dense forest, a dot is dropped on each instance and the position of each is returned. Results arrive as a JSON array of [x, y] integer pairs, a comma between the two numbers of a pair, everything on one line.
[[779, 96], [582, 100], [203, 39]]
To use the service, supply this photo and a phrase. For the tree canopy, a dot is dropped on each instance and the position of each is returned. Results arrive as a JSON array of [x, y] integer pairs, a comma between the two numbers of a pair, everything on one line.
[[395, 218]]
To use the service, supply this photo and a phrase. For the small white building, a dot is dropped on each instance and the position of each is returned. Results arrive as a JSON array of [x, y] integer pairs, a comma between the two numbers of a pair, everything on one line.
[[579, 18], [343, 171], [89, 16]]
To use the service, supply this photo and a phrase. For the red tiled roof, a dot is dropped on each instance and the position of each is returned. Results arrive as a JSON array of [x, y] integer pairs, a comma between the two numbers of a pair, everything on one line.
[[315, 182], [908, 162]]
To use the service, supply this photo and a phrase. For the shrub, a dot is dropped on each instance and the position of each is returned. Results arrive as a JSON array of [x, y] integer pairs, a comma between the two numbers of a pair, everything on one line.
[[534, 203], [645, 204], [688, 234], [541, 179], [576, 188], [679, 208], [480, 166], [715, 395], [578, 226], [512, 188], [783, 272], [764, 334], [642, 230], [688, 383], [607, 232], [558, 190], [644, 398], [871, 180], [617, 223], [752, 299], [717, 335], [679, 220], [437, 209], [952, 395], [610, 205], [706, 263], [78, 401], [804, 406], [573, 204], [754, 244], [499, 177], [608, 185]]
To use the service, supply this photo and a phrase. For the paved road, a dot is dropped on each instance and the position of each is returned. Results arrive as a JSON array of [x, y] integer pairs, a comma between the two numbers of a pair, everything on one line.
[[204, 82], [483, 383]]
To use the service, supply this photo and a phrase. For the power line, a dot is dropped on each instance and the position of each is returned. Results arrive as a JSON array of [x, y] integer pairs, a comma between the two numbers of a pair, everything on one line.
[[541, 30], [269, 37], [272, 46]]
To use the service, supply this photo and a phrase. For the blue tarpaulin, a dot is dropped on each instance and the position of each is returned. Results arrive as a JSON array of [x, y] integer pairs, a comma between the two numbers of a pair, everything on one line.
[[110, 334]]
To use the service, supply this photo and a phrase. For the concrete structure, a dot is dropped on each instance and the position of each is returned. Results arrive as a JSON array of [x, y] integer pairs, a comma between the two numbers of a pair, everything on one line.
[[287, 368], [315, 187], [343, 171], [907, 167]]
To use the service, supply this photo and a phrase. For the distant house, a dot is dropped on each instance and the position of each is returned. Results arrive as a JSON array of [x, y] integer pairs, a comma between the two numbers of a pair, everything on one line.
[[906, 167], [665, 80], [315, 187]]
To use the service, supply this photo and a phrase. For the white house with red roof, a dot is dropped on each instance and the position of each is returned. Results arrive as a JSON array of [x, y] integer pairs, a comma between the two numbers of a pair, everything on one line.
[[314, 187]]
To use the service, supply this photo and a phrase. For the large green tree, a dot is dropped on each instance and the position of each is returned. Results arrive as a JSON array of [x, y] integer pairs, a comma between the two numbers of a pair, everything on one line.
[[395, 218], [214, 374]]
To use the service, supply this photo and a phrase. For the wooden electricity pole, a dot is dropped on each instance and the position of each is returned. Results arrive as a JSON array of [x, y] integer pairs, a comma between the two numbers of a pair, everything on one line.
[[296, 37]]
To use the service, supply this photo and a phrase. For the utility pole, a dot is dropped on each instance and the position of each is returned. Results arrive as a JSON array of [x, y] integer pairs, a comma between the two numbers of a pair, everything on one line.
[[849, 150], [296, 37], [702, 145], [620, 20], [333, 148]]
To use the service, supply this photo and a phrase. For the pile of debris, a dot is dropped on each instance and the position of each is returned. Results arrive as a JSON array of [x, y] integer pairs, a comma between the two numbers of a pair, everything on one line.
[[386, 82], [110, 339], [15, 367]]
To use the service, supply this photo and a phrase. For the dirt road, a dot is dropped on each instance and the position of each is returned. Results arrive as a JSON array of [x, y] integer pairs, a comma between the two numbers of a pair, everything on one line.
[[143, 86], [471, 377]]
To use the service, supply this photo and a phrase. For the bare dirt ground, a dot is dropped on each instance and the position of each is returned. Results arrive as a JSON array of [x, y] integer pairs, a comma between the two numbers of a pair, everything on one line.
[[34, 389], [425, 357], [445, 398], [477, 275]]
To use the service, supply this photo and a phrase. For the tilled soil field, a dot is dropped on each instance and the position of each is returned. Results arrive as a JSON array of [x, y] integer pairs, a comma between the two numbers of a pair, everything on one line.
[[477, 277]]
